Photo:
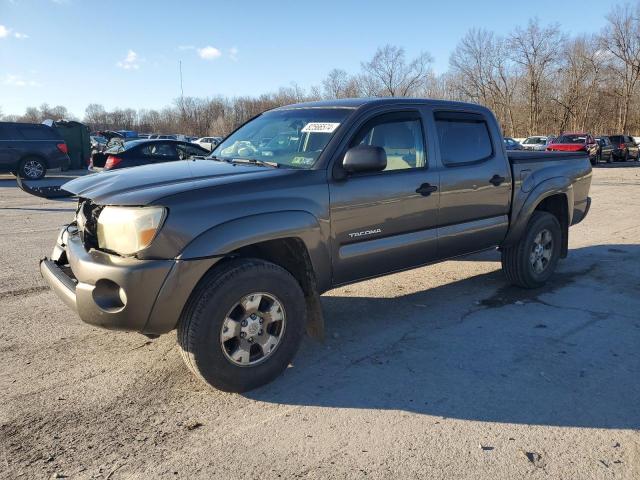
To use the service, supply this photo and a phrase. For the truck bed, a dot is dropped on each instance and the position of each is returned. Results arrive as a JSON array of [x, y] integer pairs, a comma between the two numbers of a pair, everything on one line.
[[571, 169], [526, 157]]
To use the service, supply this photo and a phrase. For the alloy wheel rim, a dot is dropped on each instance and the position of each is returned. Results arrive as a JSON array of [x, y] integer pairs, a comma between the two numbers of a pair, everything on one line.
[[253, 329], [33, 169], [541, 251]]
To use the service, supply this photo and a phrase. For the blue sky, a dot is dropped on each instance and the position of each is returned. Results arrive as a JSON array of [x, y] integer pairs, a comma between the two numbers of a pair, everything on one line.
[[126, 53]]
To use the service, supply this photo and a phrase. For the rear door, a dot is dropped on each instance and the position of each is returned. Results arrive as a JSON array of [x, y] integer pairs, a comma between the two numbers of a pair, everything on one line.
[[385, 221], [9, 151], [475, 182]]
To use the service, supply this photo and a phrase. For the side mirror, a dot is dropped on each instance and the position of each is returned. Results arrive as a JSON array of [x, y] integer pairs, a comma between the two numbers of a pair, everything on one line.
[[364, 158]]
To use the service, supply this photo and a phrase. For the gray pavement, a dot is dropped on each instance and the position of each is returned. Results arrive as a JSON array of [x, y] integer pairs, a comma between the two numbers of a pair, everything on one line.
[[440, 372]]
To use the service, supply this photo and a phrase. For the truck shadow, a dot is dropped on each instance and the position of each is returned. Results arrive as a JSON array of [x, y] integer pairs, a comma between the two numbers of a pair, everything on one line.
[[476, 349]]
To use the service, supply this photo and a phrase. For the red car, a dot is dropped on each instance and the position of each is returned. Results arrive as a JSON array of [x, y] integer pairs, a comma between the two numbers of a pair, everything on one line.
[[576, 142]]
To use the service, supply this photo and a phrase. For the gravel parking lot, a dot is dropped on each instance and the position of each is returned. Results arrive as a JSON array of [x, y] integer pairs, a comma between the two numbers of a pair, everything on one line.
[[441, 372]]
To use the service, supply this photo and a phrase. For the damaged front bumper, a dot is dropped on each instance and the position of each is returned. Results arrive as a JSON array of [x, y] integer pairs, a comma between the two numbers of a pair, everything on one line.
[[119, 293]]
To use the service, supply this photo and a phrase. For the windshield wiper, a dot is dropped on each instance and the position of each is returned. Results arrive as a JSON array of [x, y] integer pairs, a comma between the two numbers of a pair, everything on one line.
[[253, 161], [217, 159]]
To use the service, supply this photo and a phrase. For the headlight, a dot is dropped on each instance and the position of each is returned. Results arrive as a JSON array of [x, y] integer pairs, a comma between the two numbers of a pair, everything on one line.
[[127, 230]]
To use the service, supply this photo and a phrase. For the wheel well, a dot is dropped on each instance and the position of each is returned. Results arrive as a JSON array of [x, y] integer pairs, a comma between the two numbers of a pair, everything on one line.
[[33, 155], [291, 254], [557, 206]]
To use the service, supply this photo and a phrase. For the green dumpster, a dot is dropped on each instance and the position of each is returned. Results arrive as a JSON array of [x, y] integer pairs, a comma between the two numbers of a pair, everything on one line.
[[76, 135]]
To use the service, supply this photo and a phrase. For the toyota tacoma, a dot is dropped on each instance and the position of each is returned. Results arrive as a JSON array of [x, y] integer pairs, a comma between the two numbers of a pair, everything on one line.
[[234, 250]]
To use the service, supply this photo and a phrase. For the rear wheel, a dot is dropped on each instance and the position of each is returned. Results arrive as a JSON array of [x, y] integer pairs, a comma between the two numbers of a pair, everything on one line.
[[532, 260], [242, 325], [32, 168]]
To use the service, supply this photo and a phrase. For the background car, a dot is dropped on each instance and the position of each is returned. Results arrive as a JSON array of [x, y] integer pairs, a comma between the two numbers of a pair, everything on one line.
[[30, 149], [208, 142], [157, 136], [511, 144], [624, 148], [576, 142], [605, 149], [98, 143], [143, 152], [537, 142]]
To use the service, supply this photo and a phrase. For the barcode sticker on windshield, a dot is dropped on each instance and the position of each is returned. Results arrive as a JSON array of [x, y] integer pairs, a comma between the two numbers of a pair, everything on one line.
[[317, 127]]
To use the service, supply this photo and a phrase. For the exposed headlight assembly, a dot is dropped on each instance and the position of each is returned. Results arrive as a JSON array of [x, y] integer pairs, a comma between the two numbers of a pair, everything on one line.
[[127, 230]]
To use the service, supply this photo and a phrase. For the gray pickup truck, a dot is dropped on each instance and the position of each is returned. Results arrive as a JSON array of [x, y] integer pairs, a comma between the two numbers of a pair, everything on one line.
[[234, 250]]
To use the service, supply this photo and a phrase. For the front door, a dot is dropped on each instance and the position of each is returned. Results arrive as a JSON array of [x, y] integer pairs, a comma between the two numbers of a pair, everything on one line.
[[385, 221]]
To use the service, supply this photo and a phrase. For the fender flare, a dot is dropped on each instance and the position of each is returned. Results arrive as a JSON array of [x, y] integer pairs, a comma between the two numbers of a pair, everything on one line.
[[241, 232], [547, 188]]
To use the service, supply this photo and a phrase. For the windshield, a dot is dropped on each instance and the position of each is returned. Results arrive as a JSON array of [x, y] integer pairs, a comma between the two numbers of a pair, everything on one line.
[[118, 148], [535, 141], [290, 138], [572, 139]]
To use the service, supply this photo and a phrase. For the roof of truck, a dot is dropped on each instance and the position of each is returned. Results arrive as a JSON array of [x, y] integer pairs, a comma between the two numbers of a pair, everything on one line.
[[359, 102]]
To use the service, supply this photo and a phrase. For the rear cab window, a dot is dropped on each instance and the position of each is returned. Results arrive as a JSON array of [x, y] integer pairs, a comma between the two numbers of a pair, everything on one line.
[[463, 138], [159, 150], [37, 132], [186, 150], [8, 131]]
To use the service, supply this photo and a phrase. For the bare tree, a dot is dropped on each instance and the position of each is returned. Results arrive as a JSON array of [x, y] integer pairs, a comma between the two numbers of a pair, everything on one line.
[[483, 73], [96, 116], [393, 76], [339, 84], [536, 49], [621, 39], [581, 72]]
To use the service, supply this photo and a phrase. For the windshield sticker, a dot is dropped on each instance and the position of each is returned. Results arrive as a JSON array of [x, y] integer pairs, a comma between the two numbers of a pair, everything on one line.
[[318, 127], [302, 161]]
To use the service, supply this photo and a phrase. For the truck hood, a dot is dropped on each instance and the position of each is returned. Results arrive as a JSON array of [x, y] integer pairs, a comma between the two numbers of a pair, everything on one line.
[[148, 183]]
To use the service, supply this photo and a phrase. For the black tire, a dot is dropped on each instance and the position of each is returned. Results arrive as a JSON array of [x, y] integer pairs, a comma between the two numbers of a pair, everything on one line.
[[203, 318], [32, 168], [516, 263]]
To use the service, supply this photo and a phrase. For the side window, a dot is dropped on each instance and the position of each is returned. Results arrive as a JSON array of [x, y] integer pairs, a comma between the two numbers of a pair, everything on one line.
[[400, 135], [187, 151], [36, 132], [463, 137], [159, 150], [8, 132]]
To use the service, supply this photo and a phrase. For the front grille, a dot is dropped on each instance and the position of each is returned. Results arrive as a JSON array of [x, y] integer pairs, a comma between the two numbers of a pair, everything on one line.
[[87, 220]]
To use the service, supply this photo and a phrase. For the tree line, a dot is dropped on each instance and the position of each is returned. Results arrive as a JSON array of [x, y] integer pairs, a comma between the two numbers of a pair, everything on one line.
[[536, 79]]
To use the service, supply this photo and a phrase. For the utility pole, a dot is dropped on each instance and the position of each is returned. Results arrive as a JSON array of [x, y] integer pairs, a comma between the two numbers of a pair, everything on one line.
[[181, 88]]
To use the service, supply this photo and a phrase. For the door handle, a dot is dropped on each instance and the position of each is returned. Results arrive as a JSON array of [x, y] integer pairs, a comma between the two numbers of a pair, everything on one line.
[[426, 189], [496, 180]]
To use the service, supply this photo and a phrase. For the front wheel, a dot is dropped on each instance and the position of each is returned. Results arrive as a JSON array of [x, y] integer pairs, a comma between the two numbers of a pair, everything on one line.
[[242, 325], [532, 260]]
